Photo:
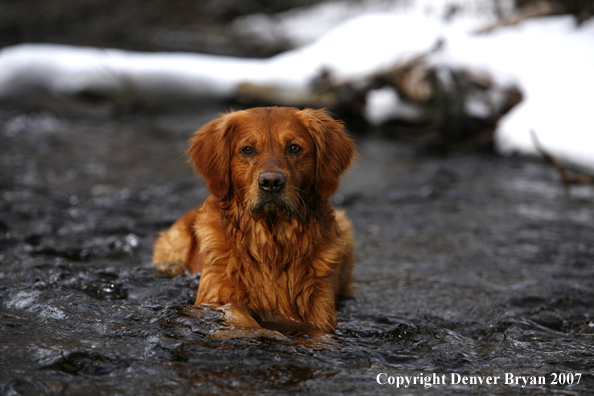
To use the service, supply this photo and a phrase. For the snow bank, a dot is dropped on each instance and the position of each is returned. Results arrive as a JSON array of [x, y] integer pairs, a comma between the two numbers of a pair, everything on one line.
[[357, 48], [62, 71], [552, 62], [354, 49]]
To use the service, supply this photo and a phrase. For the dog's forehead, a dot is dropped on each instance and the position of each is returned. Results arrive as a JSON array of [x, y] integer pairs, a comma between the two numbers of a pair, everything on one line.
[[272, 125]]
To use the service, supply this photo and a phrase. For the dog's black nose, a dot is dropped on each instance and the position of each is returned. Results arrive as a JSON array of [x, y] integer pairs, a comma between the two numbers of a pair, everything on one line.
[[272, 181]]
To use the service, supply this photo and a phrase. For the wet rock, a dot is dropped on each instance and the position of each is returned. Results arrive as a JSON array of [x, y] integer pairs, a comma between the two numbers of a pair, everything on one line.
[[88, 364]]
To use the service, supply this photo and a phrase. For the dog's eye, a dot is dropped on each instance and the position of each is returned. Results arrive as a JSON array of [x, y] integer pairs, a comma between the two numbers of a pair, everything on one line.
[[248, 150], [295, 149]]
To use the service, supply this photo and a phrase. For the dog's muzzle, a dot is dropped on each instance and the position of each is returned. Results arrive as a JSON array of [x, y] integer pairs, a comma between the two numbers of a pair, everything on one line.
[[272, 181]]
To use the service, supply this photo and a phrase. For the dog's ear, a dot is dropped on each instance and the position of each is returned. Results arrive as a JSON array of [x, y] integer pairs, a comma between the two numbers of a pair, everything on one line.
[[209, 152], [334, 149]]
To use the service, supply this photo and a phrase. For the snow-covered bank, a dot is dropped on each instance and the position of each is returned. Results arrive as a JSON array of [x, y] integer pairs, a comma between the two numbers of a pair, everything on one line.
[[549, 59], [353, 50], [552, 62], [58, 71]]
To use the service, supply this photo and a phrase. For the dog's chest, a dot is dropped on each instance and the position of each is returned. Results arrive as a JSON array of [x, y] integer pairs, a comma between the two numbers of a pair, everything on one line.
[[275, 267]]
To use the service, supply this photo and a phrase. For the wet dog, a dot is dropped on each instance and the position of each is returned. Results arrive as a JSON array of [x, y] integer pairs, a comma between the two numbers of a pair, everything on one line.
[[271, 248]]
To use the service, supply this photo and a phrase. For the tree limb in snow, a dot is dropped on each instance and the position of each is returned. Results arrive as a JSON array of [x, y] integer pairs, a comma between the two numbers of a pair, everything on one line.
[[530, 10], [568, 177]]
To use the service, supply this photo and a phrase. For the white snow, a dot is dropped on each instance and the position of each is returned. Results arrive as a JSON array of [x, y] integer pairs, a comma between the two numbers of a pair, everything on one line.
[[358, 47], [550, 59], [303, 26], [58, 70], [552, 62], [384, 104]]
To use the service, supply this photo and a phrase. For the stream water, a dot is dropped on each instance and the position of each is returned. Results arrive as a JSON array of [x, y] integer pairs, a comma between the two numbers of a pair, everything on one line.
[[474, 273]]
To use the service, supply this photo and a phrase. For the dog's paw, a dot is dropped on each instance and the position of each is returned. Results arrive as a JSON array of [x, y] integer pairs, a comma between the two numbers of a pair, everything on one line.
[[169, 269], [247, 332]]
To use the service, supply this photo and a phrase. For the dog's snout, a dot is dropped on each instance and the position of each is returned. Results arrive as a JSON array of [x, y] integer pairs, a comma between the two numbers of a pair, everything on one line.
[[272, 181]]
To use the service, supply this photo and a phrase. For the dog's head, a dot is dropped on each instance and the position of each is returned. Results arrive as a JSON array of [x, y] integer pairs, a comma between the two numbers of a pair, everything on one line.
[[273, 159]]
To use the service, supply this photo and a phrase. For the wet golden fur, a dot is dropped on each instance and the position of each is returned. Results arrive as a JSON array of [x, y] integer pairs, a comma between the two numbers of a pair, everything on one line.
[[268, 257]]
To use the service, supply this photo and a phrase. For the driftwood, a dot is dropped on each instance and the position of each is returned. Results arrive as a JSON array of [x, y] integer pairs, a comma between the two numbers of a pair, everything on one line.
[[413, 78], [250, 93]]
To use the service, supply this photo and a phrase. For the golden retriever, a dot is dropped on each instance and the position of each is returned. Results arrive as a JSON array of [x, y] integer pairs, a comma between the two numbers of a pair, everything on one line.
[[270, 246]]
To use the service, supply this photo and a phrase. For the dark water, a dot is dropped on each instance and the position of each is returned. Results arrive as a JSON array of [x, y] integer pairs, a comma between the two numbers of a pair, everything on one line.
[[471, 265]]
